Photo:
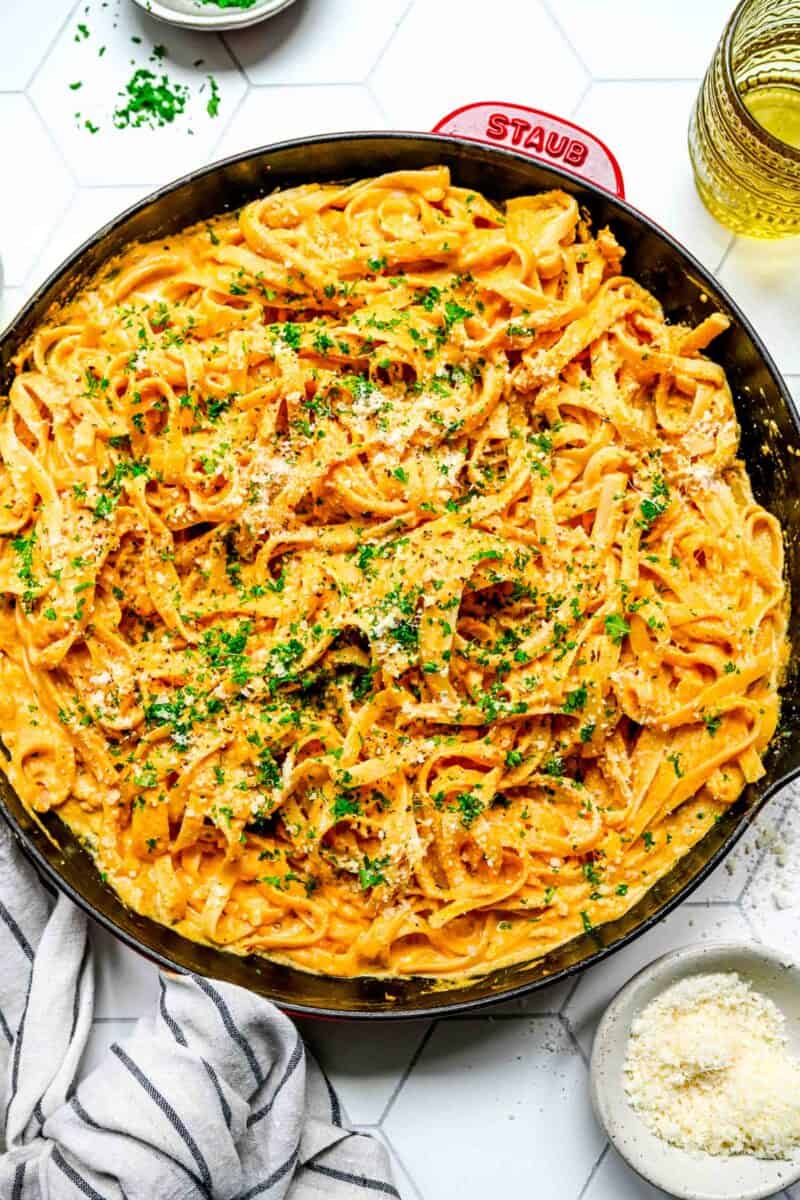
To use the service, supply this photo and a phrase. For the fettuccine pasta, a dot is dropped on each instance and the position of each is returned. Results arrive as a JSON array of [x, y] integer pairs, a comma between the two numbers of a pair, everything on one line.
[[382, 591]]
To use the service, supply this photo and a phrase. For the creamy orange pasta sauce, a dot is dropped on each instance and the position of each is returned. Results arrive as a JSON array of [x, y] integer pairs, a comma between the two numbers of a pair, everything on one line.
[[383, 592]]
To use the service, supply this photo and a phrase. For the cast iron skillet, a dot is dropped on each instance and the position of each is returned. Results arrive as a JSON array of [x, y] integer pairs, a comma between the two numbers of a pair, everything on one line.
[[770, 446]]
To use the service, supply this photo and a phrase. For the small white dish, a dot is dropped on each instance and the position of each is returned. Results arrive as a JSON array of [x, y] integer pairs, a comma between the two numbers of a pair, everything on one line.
[[687, 1175], [192, 14]]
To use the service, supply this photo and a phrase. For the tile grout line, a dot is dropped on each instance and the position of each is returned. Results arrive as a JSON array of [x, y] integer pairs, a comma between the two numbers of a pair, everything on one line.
[[237, 66], [750, 924], [548, 10], [578, 1048], [390, 39], [574, 985], [406, 1072], [370, 90], [233, 55], [582, 97], [390, 1142], [71, 13], [647, 79], [725, 254], [304, 87], [724, 258], [593, 1171], [546, 1014], [760, 857], [76, 183], [214, 148], [28, 284], [99, 187]]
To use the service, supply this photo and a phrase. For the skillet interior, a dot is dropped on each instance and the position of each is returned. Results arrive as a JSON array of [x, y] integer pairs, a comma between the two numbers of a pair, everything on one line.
[[770, 446]]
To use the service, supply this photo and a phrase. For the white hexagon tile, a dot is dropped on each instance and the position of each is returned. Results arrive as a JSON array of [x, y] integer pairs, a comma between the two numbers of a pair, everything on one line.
[[317, 41], [449, 52], [11, 301], [275, 113], [771, 899], [81, 90], [365, 1062], [36, 201], [629, 39], [495, 1104], [125, 983], [89, 210], [25, 42], [763, 278], [611, 1180]]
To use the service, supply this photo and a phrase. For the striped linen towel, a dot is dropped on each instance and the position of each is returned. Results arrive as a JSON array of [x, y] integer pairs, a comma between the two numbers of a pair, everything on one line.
[[212, 1096]]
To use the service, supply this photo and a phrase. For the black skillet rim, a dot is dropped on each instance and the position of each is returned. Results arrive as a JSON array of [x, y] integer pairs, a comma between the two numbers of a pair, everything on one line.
[[464, 1006]]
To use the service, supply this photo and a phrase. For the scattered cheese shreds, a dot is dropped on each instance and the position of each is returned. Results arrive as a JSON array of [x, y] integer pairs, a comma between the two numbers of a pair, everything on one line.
[[708, 1069]]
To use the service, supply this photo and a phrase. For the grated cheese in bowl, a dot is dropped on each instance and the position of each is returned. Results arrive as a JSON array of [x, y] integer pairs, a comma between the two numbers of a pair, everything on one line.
[[708, 1069]]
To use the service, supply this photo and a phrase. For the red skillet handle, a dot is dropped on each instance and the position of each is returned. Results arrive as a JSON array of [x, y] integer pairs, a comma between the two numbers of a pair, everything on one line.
[[540, 135]]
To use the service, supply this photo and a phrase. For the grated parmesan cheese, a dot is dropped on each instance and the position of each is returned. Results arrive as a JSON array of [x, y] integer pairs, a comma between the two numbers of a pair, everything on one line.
[[707, 1068]]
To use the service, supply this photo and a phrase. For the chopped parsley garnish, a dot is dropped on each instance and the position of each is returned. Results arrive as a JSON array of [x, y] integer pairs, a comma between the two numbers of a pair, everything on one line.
[[180, 712], [226, 651], [454, 312], [150, 101], [358, 386], [364, 558], [712, 722], [268, 773], [346, 805], [147, 777], [575, 700], [362, 684], [617, 628], [370, 874], [104, 507], [212, 108], [322, 342], [23, 548], [652, 507], [291, 334], [470, 806], [675, 759]]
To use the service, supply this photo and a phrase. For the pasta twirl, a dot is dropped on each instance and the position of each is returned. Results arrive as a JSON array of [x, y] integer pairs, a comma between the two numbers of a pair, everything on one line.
[[382, 591]]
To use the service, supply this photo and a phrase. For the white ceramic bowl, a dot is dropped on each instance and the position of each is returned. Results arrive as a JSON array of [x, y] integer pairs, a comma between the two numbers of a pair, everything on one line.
[[690, 1176], [191, 14]]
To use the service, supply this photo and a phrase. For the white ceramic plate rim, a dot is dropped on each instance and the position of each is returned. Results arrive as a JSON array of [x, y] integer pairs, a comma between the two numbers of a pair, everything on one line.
[[678, 1172], [214, 19]]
